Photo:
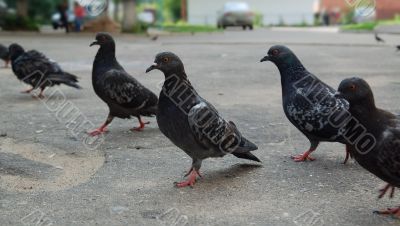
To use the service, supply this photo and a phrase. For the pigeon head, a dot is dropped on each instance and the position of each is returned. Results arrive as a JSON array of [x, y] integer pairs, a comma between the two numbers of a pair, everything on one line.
[[356, 91], [104, 40], [168, 63], [15, 51], [281, 56]]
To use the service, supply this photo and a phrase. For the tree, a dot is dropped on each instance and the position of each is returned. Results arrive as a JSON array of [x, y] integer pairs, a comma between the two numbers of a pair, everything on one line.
[[129, 18], [22, 8]]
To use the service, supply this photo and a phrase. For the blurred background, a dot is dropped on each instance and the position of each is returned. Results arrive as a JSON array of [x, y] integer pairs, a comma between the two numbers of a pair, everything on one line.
[[138, 16]]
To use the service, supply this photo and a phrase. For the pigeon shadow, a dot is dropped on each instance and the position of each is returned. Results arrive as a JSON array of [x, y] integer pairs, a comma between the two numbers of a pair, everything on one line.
[[230, 175]]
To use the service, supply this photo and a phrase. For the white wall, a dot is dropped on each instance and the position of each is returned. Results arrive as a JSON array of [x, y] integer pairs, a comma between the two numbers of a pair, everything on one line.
[[291, 11]]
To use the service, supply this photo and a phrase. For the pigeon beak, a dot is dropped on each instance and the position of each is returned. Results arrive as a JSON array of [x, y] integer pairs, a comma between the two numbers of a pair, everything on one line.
[[266, 58], [94, 43], [338, 94], [152, 67]]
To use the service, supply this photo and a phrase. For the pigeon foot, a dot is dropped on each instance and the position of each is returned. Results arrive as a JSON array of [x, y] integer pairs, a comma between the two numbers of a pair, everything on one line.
[[385, 189], [141, 126], [395, 212], [303, 157], [98, 131], [27, 91], [192, 176]]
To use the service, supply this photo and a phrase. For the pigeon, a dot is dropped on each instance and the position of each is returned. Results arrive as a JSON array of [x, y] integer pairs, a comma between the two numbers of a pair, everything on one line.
[[123, 94], [35, 69], [192, 123], [379, 39], [4, 55], [397, 47], [378, 147], [307, 101], [154, 38]]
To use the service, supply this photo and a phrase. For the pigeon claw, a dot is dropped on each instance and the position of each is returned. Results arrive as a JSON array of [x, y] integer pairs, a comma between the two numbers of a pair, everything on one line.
[[385, 189], [27, 91], [192, 176], [97, 131], [141, 126], [302, 158], [395, 212]]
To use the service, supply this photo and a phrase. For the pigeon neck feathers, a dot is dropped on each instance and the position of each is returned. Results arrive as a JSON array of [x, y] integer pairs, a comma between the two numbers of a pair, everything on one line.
[[105, 59]]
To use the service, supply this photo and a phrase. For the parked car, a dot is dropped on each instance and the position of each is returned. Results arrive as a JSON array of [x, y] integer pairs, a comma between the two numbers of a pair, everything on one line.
[[236, 14]]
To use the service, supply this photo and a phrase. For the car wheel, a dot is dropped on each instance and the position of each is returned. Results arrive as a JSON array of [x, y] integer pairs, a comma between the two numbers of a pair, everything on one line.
[[251, 27], [244, 27]]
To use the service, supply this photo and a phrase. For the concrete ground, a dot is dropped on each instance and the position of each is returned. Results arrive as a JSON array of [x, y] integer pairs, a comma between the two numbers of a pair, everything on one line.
[[48, 177]]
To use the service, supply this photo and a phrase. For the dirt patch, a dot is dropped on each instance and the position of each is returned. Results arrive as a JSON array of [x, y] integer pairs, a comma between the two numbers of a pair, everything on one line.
[[75, 169]]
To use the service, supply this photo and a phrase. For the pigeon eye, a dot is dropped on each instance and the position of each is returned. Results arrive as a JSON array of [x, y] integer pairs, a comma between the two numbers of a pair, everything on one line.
[[352, 87], [165, 59], [275, 52]]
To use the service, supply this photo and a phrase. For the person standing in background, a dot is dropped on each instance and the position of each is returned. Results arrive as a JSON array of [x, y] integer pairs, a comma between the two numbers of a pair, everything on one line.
[[79, 12], [62, 9]]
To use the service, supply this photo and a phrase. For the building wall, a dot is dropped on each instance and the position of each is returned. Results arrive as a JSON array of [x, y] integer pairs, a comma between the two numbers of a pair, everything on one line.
[[289, 11], [385, 9]]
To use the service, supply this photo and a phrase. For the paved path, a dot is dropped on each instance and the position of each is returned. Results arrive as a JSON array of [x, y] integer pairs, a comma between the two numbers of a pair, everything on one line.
[[47, 173]]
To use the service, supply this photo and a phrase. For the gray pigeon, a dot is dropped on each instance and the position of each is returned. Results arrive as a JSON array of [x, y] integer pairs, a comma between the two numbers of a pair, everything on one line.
[[4, 55], [193, 124], [307, 101], [35, 69], [123, 94], [378, 146]]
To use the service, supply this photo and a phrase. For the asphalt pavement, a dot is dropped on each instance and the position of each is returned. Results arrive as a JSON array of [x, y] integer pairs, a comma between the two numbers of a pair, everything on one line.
[[49, 176]]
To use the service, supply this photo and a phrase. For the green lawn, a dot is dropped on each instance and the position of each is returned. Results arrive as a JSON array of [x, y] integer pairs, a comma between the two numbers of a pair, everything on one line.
[[369, 26], [189, 28]]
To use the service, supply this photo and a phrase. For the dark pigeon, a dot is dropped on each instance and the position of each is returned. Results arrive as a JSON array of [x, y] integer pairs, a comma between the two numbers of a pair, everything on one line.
[[307, 101], [380, 154], [397, 47], [35, 69], [123, 94], [193, 124], [379, 39], [4, 55]]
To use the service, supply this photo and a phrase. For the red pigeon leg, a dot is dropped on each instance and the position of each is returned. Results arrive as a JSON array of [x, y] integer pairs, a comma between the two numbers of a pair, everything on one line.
[[395, 212], [306, 155], [102, 128], [141, 125], [41, 96], [385, 189], [192, 176], [347, 155]]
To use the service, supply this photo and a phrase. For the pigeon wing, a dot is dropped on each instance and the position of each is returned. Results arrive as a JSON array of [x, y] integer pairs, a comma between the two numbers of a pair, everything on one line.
[[389, 155], [210, 130], [120, 88]]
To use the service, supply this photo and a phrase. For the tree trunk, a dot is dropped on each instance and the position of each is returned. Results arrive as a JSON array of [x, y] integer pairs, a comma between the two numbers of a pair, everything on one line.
[[116, 10], [129, 19], [22, 8], [184, 10]]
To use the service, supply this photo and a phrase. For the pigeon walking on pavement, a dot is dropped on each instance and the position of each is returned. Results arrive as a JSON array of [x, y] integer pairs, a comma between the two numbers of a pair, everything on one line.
[[379, 151], [379, 39], [123, 94], [35, 69], [193, 124], [4, 55], [307, 101]]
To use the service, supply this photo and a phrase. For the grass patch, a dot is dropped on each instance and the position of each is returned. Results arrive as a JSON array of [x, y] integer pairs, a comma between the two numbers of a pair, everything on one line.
[[369, 26], [188, 28]]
